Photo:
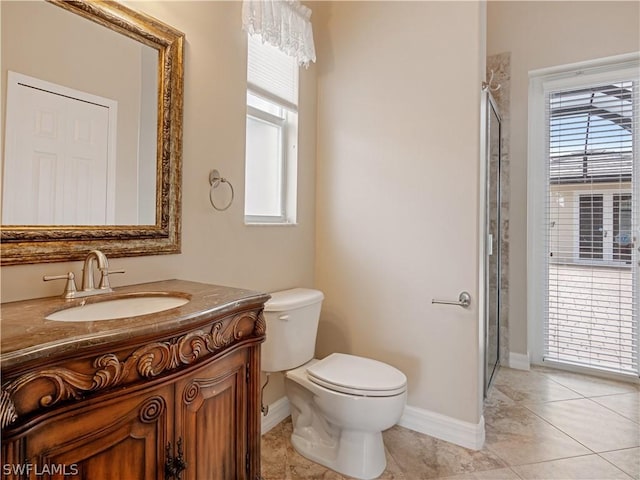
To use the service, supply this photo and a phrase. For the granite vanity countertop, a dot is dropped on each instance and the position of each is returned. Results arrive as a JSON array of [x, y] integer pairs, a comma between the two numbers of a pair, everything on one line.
[[27, 336]]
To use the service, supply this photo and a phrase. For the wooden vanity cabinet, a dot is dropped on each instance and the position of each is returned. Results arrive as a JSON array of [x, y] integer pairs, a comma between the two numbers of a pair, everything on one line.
[[121, 438], [127, 436], [195, 421], [211, 407]]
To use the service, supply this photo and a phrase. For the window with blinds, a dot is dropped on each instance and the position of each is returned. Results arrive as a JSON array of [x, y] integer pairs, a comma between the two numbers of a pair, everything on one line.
[[271, 135], [592, 312]]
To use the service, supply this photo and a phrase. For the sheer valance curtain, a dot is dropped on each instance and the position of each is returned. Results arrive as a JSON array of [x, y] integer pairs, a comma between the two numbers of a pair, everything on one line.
[[285, 24]]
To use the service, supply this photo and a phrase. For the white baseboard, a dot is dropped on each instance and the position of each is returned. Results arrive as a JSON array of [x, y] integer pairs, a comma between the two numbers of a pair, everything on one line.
[[519, 361], [449, 429], [278, 411], [446, 428]]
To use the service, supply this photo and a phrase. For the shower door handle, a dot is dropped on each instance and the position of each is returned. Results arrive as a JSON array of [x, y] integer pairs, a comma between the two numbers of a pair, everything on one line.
[[464, 300], [490, 244]]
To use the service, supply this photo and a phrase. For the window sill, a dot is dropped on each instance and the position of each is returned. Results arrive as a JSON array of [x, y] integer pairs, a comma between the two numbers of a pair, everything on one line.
[[270, 224]]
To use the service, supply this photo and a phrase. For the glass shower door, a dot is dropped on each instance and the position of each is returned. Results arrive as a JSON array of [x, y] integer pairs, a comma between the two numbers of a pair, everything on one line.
[[492, 254]]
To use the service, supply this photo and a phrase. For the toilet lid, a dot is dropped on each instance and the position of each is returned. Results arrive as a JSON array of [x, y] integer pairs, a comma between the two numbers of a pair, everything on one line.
[[357, 375]]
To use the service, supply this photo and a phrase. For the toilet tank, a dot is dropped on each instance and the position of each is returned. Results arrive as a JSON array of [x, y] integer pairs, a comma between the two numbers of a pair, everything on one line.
[[292, 325]]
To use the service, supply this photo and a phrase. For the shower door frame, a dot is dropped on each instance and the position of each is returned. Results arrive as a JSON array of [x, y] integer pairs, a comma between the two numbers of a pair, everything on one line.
[[489, 250]]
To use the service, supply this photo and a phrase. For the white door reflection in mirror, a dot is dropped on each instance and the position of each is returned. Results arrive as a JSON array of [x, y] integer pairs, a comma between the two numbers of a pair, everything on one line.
[[60, 155]]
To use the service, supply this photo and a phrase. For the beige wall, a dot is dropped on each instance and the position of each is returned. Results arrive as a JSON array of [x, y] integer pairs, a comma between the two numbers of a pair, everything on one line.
[[538, 35], [217, 247], [398, 179]]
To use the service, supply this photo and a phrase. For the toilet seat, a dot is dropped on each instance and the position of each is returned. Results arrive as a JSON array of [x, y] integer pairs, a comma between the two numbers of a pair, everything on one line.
[[355, 375]]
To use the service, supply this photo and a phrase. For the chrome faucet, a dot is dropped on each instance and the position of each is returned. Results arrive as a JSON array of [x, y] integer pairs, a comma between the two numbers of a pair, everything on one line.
[[94, 257]]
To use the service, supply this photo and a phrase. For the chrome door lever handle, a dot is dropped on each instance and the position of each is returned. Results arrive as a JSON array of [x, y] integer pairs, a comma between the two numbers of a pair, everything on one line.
[[464, 300]]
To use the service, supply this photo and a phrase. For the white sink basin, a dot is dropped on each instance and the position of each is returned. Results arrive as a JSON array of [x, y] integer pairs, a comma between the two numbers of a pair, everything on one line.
[[118, 308]]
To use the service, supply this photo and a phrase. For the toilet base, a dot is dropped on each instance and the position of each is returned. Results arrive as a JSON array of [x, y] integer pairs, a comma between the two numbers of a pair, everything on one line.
[[355, 454], [340, 431]]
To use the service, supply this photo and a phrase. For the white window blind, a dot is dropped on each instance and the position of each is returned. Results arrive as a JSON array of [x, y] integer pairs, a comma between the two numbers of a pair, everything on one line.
[[272, 74], [591, 303]]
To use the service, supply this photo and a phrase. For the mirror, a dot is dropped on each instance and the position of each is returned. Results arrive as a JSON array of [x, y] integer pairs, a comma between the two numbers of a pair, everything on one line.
[[80, 142], [140, 142]]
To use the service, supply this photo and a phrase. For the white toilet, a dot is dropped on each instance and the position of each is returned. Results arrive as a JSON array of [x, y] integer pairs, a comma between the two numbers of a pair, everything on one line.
[[339, 405]]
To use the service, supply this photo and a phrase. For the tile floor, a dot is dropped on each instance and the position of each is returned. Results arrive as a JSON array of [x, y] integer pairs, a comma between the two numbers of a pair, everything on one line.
[[542, 424]]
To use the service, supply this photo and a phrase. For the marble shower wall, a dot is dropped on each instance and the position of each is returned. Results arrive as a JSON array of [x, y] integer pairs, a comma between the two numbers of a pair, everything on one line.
[[500, 64]]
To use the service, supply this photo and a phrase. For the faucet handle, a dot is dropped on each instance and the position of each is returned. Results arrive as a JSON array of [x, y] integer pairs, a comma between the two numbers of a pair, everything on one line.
[[70, 287], [104, 278]]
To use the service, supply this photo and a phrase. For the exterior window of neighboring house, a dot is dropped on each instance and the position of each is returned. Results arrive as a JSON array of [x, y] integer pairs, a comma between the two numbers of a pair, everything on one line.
[[272, 135], [591, 226], [605, 227], [622, 225]]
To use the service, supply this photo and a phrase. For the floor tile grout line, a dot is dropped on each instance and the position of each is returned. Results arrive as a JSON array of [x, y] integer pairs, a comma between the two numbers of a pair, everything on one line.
[[516, 473], [611, 409], [575, 439], [591, 398], [610, 462], [563, 385], [493, 452], [560, 430], [591, 452], [555, 459], [594, 377], [523, 405], [577, 456], [614, 394], [547, 378], [619, 450], [588, 397], [550, 424], [584, 398]]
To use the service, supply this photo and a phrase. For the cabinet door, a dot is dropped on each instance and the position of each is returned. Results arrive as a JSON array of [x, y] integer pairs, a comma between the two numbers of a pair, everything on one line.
[[211, 419], [115, 439]]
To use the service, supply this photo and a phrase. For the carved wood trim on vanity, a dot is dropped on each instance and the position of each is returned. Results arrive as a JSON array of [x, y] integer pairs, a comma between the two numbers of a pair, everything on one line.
[[100, 373]]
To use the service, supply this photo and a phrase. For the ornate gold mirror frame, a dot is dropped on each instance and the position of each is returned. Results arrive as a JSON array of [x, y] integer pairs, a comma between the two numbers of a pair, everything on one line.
[[45, 243]]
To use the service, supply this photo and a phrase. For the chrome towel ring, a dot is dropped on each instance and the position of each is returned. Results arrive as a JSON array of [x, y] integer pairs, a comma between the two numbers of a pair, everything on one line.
[[215, 180]]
